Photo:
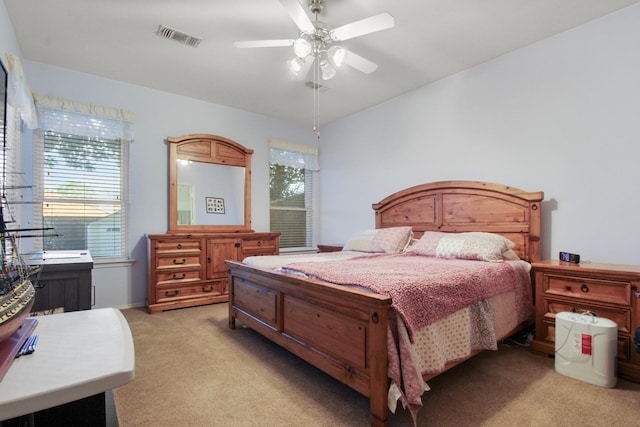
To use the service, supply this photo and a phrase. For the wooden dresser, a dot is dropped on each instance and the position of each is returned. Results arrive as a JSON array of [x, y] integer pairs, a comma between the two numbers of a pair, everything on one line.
[[209, 223], [607, 290], [187, 270]]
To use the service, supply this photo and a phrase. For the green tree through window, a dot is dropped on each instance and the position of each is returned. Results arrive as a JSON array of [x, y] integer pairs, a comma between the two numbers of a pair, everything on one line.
[[290, 199]]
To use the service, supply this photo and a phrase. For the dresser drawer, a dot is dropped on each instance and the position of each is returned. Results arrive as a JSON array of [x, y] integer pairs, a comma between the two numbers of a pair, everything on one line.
[[181, 276], [172, 293], [188, 261], [182, 246], [258, 246], [608, 291]]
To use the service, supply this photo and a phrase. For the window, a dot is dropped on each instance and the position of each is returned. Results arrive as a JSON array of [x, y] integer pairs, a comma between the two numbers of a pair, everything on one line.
[[291, 173], [80, 163]]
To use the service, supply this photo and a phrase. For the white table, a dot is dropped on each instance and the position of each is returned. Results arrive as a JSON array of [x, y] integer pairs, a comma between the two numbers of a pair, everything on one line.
[[79, 354]]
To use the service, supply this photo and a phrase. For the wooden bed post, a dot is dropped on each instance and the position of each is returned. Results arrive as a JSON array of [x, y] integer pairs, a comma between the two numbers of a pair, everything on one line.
[[378, 360], [232, 316]]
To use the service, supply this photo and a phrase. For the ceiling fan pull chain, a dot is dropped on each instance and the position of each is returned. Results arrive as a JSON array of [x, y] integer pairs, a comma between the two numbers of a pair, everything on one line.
[[316, 98]]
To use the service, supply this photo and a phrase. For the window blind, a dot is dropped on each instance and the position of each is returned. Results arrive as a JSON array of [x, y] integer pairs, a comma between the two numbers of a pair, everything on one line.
[[291, 175], [81, 179]]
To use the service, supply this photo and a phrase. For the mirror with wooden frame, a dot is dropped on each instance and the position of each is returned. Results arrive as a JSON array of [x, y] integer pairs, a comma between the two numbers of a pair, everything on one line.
[[209, 184]]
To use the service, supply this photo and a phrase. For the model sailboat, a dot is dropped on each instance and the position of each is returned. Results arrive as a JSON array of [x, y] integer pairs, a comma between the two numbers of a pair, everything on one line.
[[17, 293]]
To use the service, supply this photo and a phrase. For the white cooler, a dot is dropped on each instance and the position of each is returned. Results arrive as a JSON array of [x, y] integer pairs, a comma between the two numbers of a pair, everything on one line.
[[586, 348]]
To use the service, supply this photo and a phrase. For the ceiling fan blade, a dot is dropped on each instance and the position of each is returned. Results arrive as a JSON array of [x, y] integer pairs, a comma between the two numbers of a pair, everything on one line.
[[359, 63], [299, 16], [262, 43], [379, 22]]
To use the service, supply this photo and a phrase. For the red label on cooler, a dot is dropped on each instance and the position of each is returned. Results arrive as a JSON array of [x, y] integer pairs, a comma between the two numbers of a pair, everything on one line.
[[586, 344]]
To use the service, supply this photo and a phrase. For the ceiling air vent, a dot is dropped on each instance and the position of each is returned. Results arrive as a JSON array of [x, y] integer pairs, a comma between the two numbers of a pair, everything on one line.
[[179, 36], [317, 86]]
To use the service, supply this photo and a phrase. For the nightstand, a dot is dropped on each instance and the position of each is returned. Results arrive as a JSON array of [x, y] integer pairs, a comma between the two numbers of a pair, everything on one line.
[[329, 248], [611, 291]]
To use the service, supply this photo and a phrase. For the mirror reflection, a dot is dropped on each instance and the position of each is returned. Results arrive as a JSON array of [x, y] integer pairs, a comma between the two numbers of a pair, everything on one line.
[[209, 194]]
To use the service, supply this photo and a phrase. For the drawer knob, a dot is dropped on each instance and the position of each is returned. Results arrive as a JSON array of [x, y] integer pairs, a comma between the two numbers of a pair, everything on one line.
[[584, 288], [209, 289], [172, 293], [182, 276], [179, 245], [175, 261]]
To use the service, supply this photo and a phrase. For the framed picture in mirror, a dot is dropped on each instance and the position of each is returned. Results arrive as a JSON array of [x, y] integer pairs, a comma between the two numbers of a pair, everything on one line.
[[215, 205]]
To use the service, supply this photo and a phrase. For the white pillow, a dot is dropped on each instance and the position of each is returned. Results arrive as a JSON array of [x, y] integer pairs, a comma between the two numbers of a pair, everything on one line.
[[472, 245], [360, 242]]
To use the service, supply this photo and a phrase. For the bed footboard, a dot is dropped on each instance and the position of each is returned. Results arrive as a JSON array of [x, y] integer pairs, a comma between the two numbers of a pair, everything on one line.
[[339, 330]]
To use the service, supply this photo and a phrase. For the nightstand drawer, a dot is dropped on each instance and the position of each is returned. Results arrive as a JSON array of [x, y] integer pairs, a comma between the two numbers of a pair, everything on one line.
[[612, 292], [621, 317], [549, 334]]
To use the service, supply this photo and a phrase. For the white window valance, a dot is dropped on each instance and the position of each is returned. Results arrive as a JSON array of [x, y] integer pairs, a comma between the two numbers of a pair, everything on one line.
[[19, 93], [293, 154], [79, 118]]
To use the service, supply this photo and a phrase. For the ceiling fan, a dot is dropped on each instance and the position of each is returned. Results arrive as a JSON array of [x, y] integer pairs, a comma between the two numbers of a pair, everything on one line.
[[318, 41]]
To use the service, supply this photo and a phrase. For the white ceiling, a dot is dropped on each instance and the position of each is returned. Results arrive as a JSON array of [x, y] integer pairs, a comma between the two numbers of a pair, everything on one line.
[[431, 40]]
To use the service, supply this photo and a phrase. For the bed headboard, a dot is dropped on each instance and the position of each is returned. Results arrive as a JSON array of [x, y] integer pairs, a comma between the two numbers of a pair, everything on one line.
[[459, 206]]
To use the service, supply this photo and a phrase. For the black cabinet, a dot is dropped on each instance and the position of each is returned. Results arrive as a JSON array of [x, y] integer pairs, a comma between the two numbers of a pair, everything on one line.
[[64, 281]]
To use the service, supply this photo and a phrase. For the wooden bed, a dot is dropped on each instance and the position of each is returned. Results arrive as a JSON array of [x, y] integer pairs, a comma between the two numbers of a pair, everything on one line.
[[342, 330]]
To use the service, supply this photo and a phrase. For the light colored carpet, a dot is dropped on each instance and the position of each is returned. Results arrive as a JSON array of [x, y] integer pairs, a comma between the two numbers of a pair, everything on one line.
[[192, 370]]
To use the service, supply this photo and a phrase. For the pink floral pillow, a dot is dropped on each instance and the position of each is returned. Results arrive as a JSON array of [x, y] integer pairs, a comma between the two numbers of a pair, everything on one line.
[[391, 240], [474, 245]]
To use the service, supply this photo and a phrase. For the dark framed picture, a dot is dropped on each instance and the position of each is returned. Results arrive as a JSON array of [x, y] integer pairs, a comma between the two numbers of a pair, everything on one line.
[[215, 205]]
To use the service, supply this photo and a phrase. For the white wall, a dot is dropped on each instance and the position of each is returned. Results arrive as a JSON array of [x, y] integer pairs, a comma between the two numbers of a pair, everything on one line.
[[8, 42], [560, 116]]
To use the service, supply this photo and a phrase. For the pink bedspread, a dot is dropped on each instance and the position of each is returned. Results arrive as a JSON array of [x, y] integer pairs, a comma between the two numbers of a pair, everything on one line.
[[423, 289]]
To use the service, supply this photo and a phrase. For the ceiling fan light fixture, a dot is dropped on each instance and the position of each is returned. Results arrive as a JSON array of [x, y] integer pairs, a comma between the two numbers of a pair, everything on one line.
[[314, 47], [337, 56], [327, 71], [302, 48], [295, 65]]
